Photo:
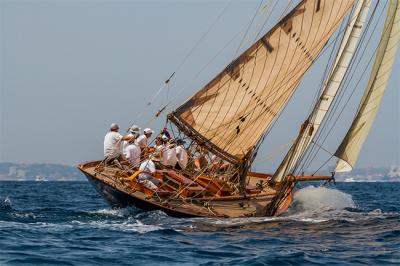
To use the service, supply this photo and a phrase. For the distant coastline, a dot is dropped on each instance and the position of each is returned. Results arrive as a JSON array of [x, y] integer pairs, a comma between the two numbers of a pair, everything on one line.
[[371, 174], [39, 172], [58, 172]]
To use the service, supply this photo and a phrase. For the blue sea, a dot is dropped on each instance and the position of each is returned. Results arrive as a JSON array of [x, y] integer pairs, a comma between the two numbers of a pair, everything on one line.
[[68, 223]]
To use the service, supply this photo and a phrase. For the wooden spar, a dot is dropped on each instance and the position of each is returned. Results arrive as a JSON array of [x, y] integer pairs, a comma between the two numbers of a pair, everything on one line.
[[294, 178], [310, 178]]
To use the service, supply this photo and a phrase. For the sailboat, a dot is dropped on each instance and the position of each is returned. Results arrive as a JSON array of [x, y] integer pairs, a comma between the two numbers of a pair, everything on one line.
[[227, 120]]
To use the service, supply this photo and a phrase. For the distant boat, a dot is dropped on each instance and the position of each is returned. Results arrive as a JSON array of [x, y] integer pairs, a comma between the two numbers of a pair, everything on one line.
[[40, 178], [230, 117], [394, 171]]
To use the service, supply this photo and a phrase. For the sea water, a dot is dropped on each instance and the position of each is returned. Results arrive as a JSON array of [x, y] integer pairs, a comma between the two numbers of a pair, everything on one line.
[[68, 223]]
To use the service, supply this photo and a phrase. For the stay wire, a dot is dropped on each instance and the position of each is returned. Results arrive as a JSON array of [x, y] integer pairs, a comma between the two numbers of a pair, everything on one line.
[[166, 83], [203, 36], [197, 75]]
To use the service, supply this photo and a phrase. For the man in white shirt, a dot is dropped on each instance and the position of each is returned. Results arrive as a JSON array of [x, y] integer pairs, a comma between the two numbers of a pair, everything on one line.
[[142, 141], [159, 145], [112, 144], [148, 167], [169, 154], [133, 132], [181, 155], [132, 153]]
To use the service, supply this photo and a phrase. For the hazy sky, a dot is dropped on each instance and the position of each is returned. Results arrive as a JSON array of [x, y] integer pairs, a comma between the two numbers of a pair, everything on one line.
[[70, 68]]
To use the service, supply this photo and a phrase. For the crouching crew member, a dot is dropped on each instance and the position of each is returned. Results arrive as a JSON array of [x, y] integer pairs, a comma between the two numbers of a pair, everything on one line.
[[148, 168]]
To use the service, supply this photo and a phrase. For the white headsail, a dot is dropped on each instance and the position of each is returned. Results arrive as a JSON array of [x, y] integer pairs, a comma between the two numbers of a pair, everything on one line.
[[331, 87], [351, 145]]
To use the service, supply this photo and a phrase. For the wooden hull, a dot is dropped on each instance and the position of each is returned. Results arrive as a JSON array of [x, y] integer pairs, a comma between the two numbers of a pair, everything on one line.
[[120, 199], [120, 195]]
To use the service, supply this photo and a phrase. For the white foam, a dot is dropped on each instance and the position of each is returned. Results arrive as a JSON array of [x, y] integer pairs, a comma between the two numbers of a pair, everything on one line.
[[7, 201], [126, 226], [321, 199], [113, 212]]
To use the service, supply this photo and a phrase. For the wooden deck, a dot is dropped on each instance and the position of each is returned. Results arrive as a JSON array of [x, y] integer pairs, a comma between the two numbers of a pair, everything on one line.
[[181, 196]]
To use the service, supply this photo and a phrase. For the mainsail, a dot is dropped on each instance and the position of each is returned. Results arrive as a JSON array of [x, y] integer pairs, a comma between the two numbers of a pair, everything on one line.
[[331, 87], [351, 145], [232, 112]]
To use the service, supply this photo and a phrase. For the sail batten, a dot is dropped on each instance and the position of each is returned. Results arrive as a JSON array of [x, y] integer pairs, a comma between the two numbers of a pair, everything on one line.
[[331, 87], [233, 110], [351, 145]]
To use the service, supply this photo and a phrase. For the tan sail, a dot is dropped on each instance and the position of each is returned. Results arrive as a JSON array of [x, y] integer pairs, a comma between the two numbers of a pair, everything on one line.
[[232, 112], [351, 145], [312, 124]]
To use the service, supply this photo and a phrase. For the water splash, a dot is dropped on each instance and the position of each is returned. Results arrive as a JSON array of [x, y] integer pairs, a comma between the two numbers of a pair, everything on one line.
[[6, 204], [321, 204], [316, 199]]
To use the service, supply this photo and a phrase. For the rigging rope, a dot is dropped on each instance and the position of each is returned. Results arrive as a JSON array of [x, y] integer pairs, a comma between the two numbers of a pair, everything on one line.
[[197, 75], [166, 83]]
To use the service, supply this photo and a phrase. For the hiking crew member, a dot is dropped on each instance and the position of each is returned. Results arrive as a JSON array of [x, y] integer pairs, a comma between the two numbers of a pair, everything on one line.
[[112, 145]]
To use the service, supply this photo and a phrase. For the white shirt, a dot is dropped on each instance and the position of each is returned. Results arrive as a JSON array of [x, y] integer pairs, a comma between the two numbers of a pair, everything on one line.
[[125, 144], [133, 153], [160, 148], [181, 155], [169, 156], [112, 144], [141, 141], [147, 166]]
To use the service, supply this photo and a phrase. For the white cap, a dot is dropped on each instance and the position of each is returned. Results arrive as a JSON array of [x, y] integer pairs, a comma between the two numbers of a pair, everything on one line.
[[114, 126], [148, 131], [134, 129]]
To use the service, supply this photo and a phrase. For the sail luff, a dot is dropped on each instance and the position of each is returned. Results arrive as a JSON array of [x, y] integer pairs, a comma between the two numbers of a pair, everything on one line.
[[352, 143], [331, 87], [232, 112]]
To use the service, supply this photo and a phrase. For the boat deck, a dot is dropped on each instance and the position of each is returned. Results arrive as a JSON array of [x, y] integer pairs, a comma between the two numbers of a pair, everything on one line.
[[178, 195]]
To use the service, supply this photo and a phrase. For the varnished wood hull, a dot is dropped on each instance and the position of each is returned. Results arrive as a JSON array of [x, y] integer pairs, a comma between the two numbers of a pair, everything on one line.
[[119, 196], [119, 199]]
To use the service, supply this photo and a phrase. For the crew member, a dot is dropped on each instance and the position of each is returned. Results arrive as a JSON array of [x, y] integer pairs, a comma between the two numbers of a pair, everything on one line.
[[143, 140], [133, 132], [148, 168], [132, 151], [112, 145], [181, 155], [169, 154]]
